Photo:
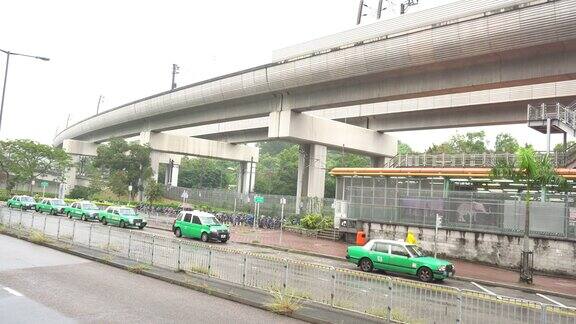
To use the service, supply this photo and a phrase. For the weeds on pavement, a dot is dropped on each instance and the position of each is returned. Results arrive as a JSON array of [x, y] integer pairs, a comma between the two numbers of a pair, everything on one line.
[[38, 237], [284, 303], [138, 268]]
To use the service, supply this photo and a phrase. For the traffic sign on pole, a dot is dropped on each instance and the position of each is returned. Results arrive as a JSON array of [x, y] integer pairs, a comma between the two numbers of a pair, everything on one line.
[[259, 199]]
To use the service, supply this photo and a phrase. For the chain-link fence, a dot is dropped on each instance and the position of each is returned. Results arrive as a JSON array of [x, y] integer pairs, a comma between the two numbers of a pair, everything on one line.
[[393, 299], [409, 201], [233, 201]]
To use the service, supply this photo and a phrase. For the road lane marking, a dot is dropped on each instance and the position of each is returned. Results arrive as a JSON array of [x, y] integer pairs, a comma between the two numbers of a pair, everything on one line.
[[13, 292], [551, 300], [486, 290]]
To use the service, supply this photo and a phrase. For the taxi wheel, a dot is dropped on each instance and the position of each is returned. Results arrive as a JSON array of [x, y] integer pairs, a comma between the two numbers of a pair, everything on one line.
[[178, 232], [204, 237], [425, 274], [141, 227], [104, 221], [366, 265], [122, 224], [84, 218], [39, 210], [224, 241]]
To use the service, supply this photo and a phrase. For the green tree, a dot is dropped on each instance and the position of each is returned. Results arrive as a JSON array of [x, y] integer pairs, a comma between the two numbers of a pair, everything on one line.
[[505, 143], [536, 172], [443, 148], [31, 160], [153, 191], [206, 173], [127, 164], [7, 164], [560, 146], [404, 148], [472, 142]]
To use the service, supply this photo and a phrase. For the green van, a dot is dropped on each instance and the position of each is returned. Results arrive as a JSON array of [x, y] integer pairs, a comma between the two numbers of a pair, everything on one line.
[[200, 225]]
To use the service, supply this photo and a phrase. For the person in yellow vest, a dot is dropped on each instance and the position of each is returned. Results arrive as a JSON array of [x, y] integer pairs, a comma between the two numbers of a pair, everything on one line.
[[410, 238]]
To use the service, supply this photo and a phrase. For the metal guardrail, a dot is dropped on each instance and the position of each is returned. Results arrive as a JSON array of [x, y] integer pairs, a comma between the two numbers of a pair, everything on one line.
[[554, 111], [394, 299], [483, 160]]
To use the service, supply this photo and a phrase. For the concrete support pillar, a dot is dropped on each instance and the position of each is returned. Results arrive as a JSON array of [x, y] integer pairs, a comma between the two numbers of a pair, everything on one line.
[[311, 172], [70, 178], [378, 161], [246, 177], [155, 164], [174, 178]]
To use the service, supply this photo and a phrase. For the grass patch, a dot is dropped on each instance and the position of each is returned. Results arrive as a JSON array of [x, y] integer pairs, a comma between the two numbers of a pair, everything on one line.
[[138, 268], [395, 315], [345, 304], [276, 289], [2, 228], [202, 270], [284, 303], [38, 237], [66, 237], [255, 241], [108, 257]]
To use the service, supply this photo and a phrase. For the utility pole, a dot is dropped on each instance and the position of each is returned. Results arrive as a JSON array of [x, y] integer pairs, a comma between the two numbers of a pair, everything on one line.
[[175, 69], [99, 102]]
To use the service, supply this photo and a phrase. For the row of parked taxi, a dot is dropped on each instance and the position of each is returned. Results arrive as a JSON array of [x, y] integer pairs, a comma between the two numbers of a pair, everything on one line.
[[85, 210]]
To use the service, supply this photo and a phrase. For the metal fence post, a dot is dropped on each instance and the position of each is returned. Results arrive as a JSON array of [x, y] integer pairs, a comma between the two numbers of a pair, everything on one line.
[[32, 225], [73, 230], [90, 235], [333, 292], [245, 268], [58, 230], [179, 255], [44, 228], [108, 244], [129, 242], [209, 262], [20, 221], [389, 315], [459, 313], [543, 314], [10, 218], [153, 244], [285, 283]]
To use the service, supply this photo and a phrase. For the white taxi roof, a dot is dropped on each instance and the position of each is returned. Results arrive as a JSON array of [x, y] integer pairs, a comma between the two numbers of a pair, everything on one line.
[[369, 244]]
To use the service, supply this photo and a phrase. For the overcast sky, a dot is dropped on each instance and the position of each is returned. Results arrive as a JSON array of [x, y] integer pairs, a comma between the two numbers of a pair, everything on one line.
[[124, 50]]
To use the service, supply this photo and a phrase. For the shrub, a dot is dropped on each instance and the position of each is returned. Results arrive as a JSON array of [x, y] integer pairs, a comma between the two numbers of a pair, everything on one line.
[[316, 221], [153, 191], [80, 192]]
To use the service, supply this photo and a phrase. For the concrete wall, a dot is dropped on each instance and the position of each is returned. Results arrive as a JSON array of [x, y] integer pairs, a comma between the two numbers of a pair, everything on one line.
[[550, 256]]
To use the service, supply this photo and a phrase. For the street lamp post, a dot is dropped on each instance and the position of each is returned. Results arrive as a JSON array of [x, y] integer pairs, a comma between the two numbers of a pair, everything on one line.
[[8, 53]]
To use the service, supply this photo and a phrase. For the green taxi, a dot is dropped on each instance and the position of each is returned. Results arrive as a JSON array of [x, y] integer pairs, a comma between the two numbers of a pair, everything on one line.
[[52, 206], [399, 257], [121, 216], [22, 202], [200, 225], [85, 210]]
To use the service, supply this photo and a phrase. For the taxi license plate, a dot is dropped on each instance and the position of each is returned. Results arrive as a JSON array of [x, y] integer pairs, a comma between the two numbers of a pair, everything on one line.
[[223, 236]]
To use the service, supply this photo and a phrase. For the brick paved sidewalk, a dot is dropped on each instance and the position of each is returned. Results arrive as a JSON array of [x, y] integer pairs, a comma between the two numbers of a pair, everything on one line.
[[465, 269]]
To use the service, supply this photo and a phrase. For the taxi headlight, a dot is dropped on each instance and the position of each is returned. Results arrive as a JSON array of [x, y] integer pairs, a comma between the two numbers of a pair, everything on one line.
[[442, 268]]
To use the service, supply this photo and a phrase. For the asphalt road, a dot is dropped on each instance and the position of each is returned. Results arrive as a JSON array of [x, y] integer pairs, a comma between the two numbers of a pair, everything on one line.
[[41, 285], [262, 274]]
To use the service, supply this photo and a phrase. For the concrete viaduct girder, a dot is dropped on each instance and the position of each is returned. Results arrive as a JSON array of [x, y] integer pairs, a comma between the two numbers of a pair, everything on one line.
[[306, 129], [519, 42]]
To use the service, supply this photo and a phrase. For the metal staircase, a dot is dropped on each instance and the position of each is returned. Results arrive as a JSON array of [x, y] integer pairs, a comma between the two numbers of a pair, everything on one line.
[[562, 118]]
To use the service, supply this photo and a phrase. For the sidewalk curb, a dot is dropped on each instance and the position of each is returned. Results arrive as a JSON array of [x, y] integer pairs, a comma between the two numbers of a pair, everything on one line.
[[308, 311]]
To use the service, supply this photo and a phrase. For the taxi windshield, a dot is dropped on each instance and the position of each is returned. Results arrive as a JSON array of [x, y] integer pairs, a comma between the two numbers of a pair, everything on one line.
[[209, 220], [27, 199], [126, 211], [415, 250], [89, 206], [58, 202]]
